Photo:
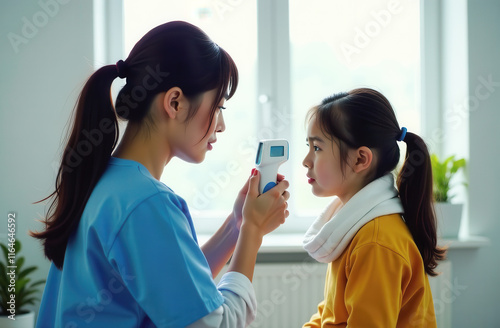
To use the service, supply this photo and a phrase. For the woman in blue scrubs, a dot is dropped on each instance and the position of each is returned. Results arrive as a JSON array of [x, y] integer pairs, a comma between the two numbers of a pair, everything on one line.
[[123, 247]]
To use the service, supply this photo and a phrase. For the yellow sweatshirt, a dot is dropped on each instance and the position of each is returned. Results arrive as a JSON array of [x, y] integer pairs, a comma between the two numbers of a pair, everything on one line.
[[378, 281]]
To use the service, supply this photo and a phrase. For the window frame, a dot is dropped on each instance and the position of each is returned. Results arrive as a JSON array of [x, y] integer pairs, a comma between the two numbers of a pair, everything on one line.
[[273, 93]]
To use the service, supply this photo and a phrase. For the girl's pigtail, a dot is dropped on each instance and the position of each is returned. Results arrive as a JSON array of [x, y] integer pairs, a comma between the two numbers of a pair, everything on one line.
[[92, 139], [415, 190]]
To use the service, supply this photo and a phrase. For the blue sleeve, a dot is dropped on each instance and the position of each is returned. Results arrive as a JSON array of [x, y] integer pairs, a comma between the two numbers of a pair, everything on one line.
[[166, 271]]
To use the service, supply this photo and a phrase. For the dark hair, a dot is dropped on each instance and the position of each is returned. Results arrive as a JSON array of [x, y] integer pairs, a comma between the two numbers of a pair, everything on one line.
[[364, 117], [175, 54]]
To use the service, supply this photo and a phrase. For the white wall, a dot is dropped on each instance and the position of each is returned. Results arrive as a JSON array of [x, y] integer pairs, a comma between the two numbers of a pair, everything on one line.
[[39, 85], [476, 295]]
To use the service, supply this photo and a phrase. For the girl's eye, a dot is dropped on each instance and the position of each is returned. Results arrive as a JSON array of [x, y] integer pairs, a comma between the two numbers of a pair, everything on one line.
[[316, 148], [222, 107]]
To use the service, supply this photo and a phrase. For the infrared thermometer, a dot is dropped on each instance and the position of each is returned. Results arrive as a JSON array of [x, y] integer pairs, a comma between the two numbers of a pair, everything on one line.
[[270, 155]]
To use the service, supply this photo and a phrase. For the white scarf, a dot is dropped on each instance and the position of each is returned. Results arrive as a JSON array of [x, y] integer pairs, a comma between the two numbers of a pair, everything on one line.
[[334, 229]]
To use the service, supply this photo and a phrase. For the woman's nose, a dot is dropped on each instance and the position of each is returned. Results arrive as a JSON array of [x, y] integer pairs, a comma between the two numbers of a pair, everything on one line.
[[221, 125]]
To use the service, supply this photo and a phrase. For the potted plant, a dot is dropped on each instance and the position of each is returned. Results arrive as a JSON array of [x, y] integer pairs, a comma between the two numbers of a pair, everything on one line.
[[16, 289], [448, 215]]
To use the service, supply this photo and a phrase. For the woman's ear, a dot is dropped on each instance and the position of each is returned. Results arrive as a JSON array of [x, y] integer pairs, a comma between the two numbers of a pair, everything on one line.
[[173, 102], [363, 158]]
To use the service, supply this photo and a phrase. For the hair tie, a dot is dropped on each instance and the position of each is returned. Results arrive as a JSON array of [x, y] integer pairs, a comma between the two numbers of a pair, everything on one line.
[[403, 134], [121, 68]]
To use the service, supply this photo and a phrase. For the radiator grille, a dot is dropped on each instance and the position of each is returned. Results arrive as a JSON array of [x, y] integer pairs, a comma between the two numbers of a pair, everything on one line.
[[287, 294]]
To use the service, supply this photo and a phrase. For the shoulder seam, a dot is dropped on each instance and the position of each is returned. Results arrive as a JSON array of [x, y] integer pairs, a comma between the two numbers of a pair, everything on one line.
[[159, 192], [374, 243]]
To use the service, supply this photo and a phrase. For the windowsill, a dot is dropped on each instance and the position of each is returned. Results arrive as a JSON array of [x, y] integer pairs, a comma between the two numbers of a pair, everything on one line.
[[292, 243], [469, 242]]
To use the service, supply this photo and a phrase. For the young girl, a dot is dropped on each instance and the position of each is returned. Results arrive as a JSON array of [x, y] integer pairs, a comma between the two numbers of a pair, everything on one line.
[[380, 243], [123, 245]]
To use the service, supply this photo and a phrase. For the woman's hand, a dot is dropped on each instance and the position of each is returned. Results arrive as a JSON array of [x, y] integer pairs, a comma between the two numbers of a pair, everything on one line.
[[264, 212], [238, 205], [240, 200], [257, 215]]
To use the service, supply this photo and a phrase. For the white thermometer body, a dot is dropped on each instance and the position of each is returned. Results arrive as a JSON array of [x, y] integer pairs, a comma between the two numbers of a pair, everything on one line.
[[270, 155]]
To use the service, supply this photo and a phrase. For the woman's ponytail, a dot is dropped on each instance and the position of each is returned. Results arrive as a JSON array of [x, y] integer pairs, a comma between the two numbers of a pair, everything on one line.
[[415, 190], [92, 139], [174, 54]]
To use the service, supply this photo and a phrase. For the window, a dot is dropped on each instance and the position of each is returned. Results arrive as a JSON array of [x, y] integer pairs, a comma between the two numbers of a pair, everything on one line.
[[340, 45], [210, 188], [290, 55]]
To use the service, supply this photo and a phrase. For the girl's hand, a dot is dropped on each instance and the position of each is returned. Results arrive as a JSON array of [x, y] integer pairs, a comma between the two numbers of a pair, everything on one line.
[[267, 211], [240, 200]]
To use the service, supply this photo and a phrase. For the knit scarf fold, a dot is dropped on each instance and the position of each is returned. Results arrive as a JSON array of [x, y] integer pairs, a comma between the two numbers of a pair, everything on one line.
[[334, 229]]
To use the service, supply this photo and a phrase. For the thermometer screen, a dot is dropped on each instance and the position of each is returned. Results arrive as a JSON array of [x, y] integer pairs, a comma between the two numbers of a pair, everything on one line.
[[277, 151]]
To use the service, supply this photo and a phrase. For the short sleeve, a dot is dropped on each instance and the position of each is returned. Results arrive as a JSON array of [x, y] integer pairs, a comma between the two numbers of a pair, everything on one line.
[[164, 268]]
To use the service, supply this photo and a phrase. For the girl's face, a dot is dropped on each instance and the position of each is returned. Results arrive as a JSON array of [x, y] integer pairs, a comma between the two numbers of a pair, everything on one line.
[[192, 145], [323, 163]]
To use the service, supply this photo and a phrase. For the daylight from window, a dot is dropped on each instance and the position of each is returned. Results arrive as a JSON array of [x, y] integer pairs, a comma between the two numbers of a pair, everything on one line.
[[331, 50]]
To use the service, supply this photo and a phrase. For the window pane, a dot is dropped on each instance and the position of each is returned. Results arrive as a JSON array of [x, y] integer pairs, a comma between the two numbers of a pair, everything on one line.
[[211, 186], [340, 45], [335, 46]]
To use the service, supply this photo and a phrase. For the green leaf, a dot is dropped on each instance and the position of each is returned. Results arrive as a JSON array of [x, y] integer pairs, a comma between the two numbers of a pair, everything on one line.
[[37, 283], [4, 295], [22, 296], [17, 246], [5, 252], [26, 272], [20, 284], [458, 165], [20, 262], [3, 272], [448, 160], [27, 302], [442, 173], [25, 290]]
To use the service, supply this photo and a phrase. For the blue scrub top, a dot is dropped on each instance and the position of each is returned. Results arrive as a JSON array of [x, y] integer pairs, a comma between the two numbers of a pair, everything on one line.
[[134, 260]]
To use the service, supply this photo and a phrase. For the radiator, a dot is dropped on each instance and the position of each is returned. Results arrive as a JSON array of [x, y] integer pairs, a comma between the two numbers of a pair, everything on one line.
[[288, 294]]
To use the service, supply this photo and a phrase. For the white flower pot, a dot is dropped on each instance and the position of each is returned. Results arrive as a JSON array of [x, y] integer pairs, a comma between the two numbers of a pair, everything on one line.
[[26, 320], [449, 217]]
